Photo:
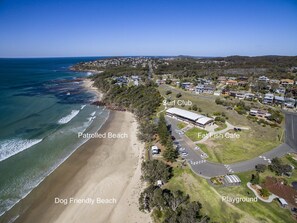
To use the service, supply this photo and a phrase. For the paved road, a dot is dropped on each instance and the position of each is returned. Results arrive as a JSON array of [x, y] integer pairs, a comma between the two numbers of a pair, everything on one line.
[[208, 169]]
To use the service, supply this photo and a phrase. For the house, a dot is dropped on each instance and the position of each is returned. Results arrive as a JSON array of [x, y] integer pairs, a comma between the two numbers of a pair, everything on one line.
[[279, 100], [233, 93], [186, 85], [290, 102], [240, 95], [232, 82], [199, 89], [268, 99], [286, 82], [222, 79], [209, 89], [283, 202], [259, 113], [274, 81], [249, 96], [280, 90], [242, 83], [263, 78]]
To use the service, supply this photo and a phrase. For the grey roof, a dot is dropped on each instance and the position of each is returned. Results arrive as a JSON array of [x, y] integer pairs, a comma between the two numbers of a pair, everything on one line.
[[183, 113]]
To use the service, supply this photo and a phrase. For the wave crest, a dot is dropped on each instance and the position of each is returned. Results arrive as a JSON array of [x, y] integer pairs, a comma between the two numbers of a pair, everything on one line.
[[68, 118], [11, 147]]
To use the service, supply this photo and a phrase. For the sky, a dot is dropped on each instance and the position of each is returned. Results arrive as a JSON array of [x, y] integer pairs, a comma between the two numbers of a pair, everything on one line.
[[69, 28]]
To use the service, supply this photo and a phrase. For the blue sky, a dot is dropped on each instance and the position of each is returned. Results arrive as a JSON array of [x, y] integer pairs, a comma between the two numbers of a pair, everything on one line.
[[38, 28]]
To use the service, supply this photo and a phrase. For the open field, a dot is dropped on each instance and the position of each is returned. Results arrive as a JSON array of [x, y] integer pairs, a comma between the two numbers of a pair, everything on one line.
[[231, 150], [220, 211], [196, 134]]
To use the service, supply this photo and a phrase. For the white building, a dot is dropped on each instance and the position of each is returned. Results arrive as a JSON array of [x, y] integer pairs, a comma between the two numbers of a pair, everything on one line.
[[197, 119]]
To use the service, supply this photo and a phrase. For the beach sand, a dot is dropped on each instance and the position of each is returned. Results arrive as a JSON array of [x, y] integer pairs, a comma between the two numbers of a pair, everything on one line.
[[101, 168], [88, 84]]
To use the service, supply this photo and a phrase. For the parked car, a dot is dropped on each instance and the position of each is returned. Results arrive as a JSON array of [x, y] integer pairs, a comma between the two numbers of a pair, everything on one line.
[[184, 154]]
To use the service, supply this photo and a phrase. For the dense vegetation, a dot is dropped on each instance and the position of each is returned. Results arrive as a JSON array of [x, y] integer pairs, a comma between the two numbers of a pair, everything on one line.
[[170, 154], [165, 205], [272, 66]]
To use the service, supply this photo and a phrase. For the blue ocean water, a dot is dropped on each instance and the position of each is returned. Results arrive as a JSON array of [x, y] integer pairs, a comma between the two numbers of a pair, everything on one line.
[[43, 106]]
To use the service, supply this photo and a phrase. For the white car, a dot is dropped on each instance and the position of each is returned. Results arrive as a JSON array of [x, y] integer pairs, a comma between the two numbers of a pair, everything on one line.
[[184, 154], [181, 149]]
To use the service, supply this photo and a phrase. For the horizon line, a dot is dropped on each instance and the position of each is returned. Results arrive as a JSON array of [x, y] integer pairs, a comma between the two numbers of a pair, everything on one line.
[[181, 55]]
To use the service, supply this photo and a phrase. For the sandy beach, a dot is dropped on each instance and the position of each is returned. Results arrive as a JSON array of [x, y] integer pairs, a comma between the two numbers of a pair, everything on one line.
[[100, 169], [88, 84]]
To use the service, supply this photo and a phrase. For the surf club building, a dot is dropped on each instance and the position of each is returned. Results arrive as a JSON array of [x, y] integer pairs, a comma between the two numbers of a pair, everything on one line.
[[191, 117]]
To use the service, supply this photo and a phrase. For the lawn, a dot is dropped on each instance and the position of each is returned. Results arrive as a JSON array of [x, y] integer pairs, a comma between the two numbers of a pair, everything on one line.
[[181, 125], [219, 211], [196, 134], [231, 150], [221, 126]]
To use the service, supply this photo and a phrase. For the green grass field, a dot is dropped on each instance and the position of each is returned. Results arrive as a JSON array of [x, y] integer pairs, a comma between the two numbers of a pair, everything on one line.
[[181, 125], [221, 126], [196, 134], [220, 211], [231, 150]]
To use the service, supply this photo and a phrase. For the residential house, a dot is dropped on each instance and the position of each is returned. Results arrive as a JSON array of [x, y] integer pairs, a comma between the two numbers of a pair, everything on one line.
[[268, 98], [286, 82], [263, 78], [232, 82], [279, 100]]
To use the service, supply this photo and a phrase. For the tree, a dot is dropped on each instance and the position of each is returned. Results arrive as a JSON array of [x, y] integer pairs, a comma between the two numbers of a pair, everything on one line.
[[195, 107], [260, 168], [170, 154], [163, 130], [168, 92], [255, 178], [154, 170], [146, 197], [146, 131], [178, 95]]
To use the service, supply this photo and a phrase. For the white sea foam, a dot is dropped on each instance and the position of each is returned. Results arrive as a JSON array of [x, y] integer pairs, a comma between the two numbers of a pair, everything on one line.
[[11, 147], [93, 113], [82, 107], [68, 118], [38, 181]]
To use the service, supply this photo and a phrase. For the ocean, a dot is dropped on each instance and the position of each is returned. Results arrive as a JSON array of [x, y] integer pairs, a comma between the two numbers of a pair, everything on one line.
[[42, 109]]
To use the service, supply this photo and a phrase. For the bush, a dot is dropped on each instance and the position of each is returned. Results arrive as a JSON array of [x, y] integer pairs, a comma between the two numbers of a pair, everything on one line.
[[168, 92], [178, 95], [260, 168]]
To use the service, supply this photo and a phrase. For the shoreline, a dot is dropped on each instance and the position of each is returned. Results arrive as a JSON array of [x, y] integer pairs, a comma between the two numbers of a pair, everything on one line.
[[92, 171], [79, 170], [88, 84]]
